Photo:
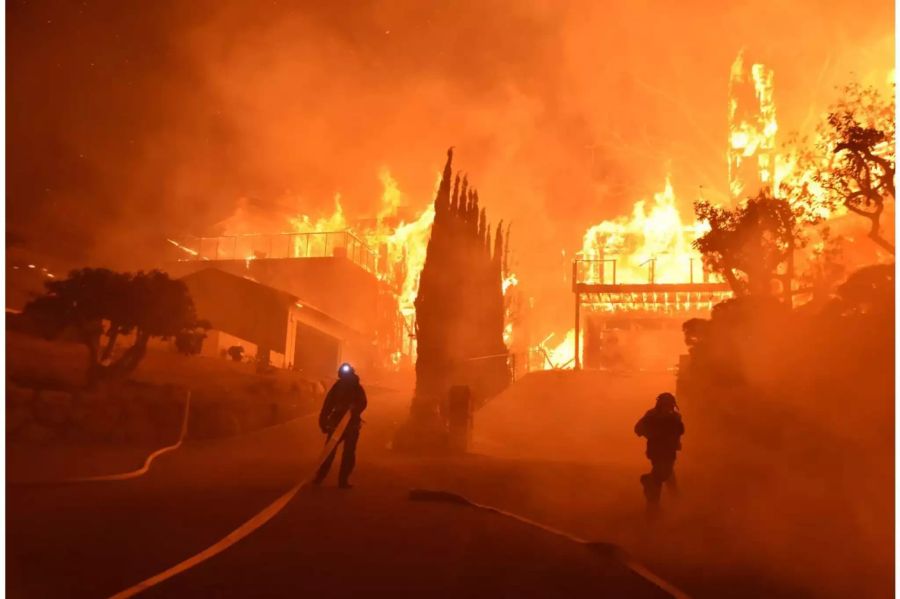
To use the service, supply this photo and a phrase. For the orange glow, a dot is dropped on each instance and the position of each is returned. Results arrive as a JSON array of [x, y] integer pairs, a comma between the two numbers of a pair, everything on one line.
[[555, 354], [652, 245], [184, 248], [751, 128], [797, 165], [406, 245]]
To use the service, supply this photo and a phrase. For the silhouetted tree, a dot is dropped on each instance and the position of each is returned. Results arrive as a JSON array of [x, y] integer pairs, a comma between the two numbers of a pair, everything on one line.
[[848, 338], [824, 267], [852, 162], [459, 306], [97, 303], [797, 391], [867, 292], [751, 245], [864, 176]]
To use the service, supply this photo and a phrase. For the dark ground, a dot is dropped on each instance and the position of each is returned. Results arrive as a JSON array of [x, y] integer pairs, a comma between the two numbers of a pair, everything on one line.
[[93, 540]]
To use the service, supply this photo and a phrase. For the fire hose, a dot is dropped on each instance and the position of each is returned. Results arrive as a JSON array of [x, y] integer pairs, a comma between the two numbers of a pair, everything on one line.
[[245, 529], [606, 549], [132, 473]]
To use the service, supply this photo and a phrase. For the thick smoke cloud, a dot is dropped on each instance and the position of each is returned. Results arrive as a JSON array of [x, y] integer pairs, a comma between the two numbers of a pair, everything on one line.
[[131, 123]]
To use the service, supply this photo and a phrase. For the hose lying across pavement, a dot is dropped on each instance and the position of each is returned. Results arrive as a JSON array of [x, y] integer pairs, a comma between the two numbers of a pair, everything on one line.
[[270, 511], [146, 467], [242, 531], [123, 475], [606, 549]]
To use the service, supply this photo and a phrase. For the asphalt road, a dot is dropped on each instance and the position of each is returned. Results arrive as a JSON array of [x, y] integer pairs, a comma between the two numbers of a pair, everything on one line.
[[94, 540]]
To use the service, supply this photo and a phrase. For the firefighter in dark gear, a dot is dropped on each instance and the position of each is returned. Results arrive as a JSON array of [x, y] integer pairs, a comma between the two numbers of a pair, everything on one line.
[[345, 395], [662, 428]]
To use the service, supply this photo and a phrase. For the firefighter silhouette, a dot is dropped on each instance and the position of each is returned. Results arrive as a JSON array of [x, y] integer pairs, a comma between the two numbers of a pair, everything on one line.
[[663, 428], [345, 395]]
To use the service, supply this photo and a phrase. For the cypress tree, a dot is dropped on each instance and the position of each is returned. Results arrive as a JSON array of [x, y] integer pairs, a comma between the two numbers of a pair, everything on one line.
[[459, 306]]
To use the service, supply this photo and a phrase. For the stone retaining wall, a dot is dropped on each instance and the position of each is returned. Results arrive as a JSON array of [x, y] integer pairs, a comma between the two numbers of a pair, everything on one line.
[[146, 414]]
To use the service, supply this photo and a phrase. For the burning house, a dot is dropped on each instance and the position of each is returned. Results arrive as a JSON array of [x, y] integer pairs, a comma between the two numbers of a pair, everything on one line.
[[363, 273], [636, 279]]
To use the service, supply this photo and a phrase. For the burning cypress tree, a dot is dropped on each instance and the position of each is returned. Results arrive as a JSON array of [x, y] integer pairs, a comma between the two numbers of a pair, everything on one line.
[[459, 307]]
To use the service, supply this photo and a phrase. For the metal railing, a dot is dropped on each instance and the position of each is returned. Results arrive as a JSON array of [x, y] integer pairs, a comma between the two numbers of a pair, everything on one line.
[[602, 271], [280, 246], [593, 270]]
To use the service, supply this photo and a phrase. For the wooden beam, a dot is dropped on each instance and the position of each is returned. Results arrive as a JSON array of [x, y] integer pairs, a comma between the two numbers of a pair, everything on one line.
[[652, 288]]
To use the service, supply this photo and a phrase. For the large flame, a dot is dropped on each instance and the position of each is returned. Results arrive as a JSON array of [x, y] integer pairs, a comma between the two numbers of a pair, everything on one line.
[[555, 354], [302, 223], [752, 126], [403, 244], [400, 246], [406, 247], [510, 301], [406, 244], [394, 248], [311, 245], [652, 245], [391, 196], [797, 166]]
